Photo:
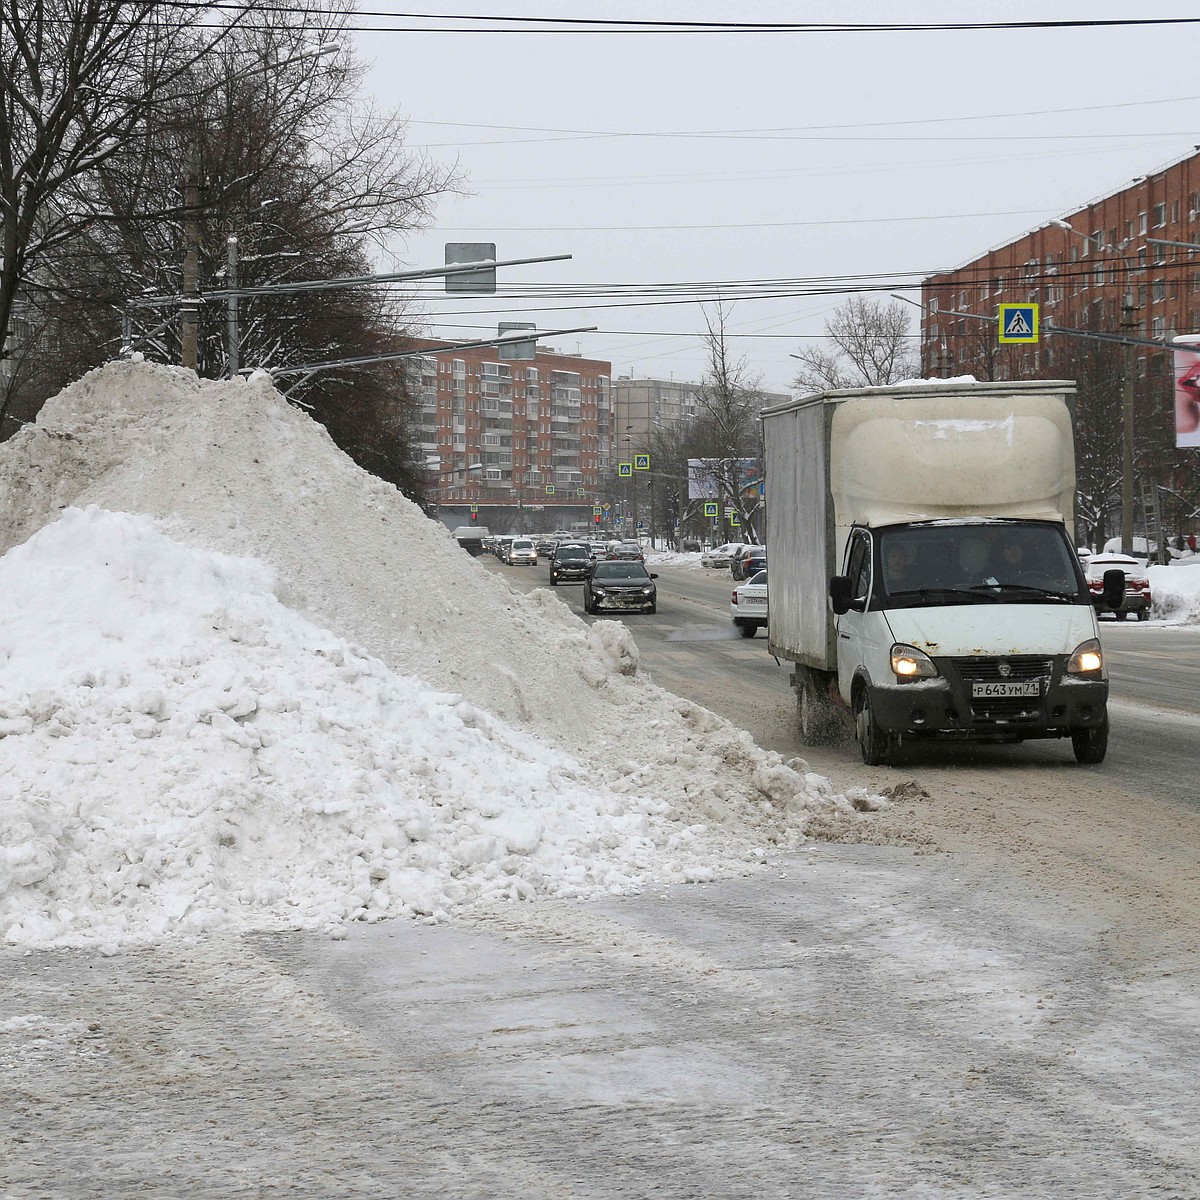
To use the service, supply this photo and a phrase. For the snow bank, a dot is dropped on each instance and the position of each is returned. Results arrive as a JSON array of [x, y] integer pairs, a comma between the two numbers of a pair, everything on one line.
[[673, 558], [291, 699], [1175, 591]]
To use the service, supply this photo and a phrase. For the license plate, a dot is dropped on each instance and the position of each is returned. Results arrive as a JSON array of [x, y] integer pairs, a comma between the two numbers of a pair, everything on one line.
[[1006, 687]]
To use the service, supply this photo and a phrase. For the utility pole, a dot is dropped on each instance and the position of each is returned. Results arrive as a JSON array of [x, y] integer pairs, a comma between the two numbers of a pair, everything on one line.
[[189, 309], [1129, 324], [231, 304]]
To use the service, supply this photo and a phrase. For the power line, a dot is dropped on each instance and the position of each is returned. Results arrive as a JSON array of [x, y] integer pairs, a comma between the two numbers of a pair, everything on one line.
[[499, 23]]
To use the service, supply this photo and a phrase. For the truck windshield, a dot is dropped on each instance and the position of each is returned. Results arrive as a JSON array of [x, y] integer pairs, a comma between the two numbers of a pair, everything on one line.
[[1005, 562]]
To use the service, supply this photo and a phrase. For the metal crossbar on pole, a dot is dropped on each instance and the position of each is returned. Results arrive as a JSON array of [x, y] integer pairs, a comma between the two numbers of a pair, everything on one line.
[[315, 285]]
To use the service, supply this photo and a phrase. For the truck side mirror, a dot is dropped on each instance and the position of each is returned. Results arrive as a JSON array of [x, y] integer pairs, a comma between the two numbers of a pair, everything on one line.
[[1114, 588], [839, 594]]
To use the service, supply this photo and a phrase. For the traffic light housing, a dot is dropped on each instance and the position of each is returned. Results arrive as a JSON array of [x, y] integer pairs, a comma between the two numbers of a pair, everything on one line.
[[474, 517], [596, 518]]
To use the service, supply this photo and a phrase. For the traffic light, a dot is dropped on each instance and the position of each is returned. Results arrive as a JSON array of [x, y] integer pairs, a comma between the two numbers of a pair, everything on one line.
[[596, 518], [474, 516]]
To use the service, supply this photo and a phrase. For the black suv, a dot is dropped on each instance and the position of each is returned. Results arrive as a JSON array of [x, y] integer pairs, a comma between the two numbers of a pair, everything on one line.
[[569, 563]]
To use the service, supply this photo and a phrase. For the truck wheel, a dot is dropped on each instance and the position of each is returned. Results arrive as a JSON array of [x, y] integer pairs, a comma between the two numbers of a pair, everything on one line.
[[819, 723], [874, 743], [1091, 745], [746, 629], [1143, 614]]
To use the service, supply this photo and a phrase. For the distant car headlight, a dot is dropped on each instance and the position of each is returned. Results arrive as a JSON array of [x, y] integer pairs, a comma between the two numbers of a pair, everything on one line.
[[648, 591], [1088, 658], [910, 663], [597, 591]]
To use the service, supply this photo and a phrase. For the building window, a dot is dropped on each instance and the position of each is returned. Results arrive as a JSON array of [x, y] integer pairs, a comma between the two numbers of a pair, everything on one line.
[[1157, 327], [1159, 289], [1097, 239], [1160, 215], [1174, 212], [1142, 222]]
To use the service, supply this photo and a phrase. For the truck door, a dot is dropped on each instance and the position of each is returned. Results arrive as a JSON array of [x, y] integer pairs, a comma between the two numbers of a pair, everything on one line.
[[860, 631]]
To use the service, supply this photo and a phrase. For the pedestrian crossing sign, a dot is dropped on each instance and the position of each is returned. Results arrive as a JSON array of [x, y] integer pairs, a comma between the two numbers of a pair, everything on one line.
[[1018, 323], [641, 462], [549, 489], [710, 508], [625, 470]]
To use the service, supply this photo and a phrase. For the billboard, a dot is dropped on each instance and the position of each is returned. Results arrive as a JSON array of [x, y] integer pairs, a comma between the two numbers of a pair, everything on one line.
[[1187, 391], [704, 475]]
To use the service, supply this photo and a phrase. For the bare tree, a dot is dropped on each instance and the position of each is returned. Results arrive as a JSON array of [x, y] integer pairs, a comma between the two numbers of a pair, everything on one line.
[[78, 80], [726, 433], [869, 345]]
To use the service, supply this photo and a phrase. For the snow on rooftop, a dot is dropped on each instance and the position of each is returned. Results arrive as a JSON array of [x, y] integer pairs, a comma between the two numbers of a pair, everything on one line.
[[249, 686]]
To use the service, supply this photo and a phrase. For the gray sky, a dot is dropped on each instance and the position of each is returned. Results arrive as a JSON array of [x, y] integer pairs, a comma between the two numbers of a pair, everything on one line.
[[737, 158]]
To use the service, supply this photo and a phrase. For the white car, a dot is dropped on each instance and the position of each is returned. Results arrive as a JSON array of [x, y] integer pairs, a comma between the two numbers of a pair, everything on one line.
[[748, 607], [522, 553], [720, 556]]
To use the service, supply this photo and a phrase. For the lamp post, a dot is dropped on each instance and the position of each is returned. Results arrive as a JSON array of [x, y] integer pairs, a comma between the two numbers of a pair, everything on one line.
[[1129, 326]]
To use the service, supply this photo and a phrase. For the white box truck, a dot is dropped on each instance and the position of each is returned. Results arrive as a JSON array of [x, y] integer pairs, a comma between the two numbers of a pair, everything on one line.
[[923, 574]]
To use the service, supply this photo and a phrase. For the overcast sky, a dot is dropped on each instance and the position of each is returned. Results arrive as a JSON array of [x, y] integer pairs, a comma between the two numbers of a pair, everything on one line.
[[675, 162]]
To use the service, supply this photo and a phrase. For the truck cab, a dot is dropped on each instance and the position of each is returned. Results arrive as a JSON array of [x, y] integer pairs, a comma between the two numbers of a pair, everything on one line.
[[973, 628]]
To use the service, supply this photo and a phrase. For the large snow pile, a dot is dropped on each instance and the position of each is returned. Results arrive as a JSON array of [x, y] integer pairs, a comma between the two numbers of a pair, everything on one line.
[[291, 699]]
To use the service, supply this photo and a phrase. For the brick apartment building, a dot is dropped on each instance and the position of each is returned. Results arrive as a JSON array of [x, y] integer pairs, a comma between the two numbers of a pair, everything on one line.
[[1083, 278], [497, 432], [1079, 277]]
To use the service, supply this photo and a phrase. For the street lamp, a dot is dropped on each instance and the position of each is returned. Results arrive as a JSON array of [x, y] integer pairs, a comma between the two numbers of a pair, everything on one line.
[[1128, 369]]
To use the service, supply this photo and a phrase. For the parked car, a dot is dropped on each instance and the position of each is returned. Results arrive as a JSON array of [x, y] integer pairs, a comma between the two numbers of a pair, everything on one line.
[[1137, 583], [747, 561], [522, 552], [720, 556], [626, 552], [619, 585], [570, 563], [748, 606]]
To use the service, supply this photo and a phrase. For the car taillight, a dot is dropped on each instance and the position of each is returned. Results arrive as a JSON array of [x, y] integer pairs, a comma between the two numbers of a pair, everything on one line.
[[1095, 585], [1140, 584], [735, 597]]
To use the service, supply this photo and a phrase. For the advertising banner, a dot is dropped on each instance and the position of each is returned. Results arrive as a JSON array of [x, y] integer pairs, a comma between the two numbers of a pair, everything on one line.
[[1187, 391], [704, 473]]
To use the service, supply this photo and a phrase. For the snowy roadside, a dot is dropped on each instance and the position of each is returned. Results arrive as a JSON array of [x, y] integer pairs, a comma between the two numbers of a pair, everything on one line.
[[231, 701]]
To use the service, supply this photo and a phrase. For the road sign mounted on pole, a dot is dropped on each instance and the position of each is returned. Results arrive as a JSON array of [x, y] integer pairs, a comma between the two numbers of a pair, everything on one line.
[[1018, 323], [549, 489], [625, 470], [641, 462], [711, 508]]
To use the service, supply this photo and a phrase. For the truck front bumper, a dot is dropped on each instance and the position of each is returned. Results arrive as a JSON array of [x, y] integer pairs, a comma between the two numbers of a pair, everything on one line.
[[949, 706]]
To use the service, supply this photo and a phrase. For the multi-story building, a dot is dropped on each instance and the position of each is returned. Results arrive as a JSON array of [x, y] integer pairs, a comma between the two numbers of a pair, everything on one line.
[[513, 433], [640, 406], [1119, 277], [1115, 244]]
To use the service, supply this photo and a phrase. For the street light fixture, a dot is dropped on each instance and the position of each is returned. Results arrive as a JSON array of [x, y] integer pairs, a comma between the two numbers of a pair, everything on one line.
[[1128, 369]]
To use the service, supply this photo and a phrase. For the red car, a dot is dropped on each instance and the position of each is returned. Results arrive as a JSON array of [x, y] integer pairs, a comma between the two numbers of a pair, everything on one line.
[[1137, 585]]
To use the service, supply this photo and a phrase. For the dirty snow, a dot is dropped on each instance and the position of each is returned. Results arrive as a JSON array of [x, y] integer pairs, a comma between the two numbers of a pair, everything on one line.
[[249, 686]]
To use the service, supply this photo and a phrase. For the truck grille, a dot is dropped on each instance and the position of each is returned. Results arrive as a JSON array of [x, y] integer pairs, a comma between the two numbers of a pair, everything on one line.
[[1005, 709]]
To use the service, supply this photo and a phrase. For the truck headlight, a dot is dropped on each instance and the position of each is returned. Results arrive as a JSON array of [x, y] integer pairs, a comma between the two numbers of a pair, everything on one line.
[[910, 663], [1087, 659]]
